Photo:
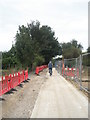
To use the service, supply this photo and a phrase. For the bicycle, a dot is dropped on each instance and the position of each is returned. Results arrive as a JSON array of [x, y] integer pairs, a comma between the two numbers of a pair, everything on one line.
[[50, 71]]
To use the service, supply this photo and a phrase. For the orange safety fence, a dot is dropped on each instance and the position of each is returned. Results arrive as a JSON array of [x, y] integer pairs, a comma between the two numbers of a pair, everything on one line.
[[40, 68], [11, 81], [70, 72]]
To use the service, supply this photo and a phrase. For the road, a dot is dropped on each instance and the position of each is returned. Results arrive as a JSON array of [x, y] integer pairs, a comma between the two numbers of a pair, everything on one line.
[[58, 98]]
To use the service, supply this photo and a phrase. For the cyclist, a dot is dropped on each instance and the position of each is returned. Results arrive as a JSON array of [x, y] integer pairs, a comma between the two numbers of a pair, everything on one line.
[[50, 67]]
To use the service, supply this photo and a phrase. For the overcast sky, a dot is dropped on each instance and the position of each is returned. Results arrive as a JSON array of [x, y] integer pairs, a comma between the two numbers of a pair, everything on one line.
[[68, 18]]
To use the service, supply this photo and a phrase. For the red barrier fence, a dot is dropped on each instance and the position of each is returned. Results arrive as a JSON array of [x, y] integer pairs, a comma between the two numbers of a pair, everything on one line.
[[11, 81], [26, 74], [40, 68], [70, 72]]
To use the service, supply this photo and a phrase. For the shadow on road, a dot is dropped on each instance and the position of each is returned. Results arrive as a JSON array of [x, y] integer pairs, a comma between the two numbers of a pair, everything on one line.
[[11, 91], [20, 85], [2, 99]]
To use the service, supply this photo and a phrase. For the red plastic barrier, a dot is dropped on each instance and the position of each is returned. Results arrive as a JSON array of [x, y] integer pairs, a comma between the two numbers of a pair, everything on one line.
[[5, 85], [11, 81], [69, 72], [26, 74], [37, 70], [22, 76], [14, 82], [40, 68], [19, 78], [0, 88]]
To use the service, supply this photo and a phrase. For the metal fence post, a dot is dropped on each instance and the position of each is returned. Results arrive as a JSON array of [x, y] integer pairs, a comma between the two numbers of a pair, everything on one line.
[[80, 72], [76, 70]]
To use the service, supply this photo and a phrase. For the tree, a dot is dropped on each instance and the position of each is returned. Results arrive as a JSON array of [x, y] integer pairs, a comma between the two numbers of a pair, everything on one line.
[[49, 45], [24, 47], [88, 50], [76, 45], [71, 49], [9, 58], [36, 45]]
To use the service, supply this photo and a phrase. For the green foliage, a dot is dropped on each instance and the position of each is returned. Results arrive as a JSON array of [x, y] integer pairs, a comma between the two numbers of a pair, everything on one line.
[[24, 49], [86, 60], [9, 58], [71, 49], [38, 60], [50, 46], [36, 45], [88, 50]]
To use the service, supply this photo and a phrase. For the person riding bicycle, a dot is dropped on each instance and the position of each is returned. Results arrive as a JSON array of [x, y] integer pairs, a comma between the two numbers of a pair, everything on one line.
[[50, 67]]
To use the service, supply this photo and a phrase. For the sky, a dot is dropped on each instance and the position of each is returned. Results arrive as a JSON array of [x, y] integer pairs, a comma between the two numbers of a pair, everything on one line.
[[67, 18]]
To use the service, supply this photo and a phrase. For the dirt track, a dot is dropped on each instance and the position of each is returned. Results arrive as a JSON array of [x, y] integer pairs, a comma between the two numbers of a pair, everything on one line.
[[19, 102]]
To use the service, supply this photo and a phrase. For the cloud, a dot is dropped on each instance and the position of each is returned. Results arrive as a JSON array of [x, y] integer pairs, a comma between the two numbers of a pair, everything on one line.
[[69, 19]]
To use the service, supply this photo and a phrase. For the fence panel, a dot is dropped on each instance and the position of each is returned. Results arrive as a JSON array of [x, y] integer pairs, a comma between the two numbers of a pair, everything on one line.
[[11, 81], [85, 71], [76, 69]]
